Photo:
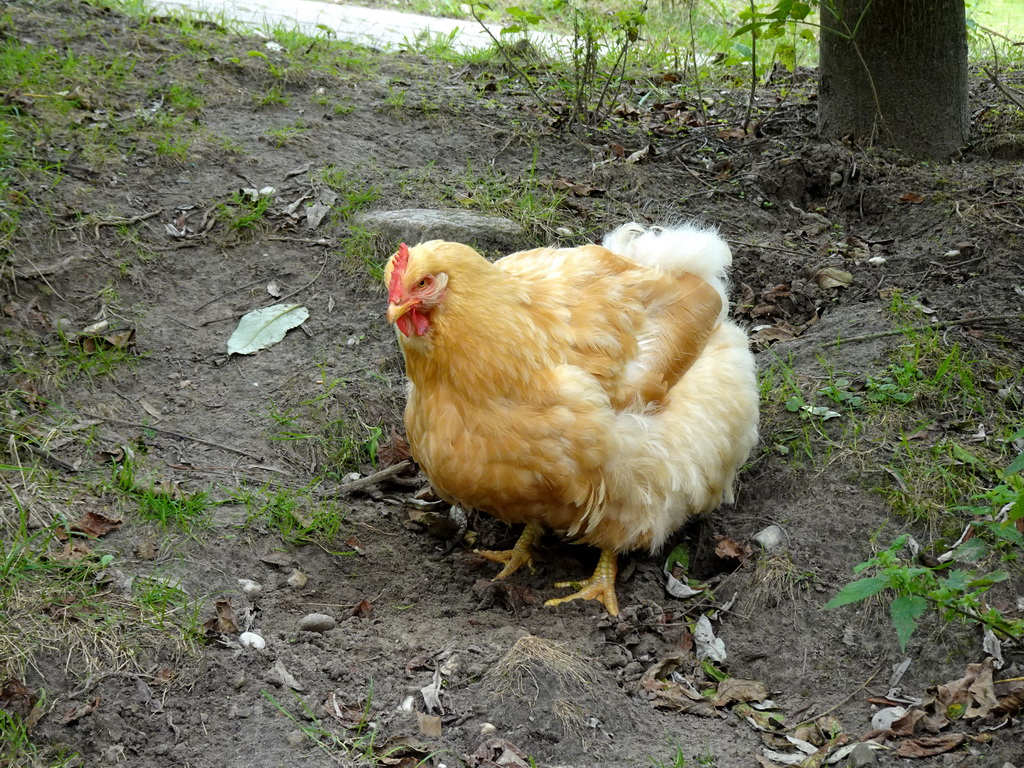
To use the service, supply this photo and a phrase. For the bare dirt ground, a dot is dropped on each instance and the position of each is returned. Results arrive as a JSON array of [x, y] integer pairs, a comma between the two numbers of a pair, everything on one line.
[[128, 209]]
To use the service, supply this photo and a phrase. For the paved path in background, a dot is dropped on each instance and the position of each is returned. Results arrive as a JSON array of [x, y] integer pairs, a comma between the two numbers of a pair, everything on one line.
[[375, 27]]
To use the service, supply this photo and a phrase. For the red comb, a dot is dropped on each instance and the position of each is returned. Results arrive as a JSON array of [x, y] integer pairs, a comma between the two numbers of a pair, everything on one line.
[[399, 262]]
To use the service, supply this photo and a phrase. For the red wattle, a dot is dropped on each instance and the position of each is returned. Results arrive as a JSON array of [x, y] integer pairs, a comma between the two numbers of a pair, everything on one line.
[[404, 324], [420, 321]]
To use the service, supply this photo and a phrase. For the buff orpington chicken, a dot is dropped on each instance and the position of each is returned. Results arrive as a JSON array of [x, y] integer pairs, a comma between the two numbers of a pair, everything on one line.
[[600, 392]]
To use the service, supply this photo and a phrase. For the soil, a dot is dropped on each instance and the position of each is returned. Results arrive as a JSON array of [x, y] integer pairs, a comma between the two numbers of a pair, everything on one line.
[[143, 239]]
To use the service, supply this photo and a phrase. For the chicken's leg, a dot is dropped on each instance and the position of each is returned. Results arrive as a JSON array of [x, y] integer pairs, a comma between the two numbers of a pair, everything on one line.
[[514, 559], [600, 586]]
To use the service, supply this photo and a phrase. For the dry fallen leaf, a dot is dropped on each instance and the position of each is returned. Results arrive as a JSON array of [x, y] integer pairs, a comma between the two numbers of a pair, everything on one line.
[[430, 725], [833, 277], [912, 197], [16, 698], [77, 713], [225, 622], [93, 525], [736, 689], [928, 746]]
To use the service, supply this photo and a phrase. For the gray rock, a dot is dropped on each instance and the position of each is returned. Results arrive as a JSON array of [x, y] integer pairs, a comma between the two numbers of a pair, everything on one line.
[[861, 756], [317, 622], [415, 225]]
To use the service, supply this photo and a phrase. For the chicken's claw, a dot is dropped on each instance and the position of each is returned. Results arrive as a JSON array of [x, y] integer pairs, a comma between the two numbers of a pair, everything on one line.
[[600, 586], [514, 559]]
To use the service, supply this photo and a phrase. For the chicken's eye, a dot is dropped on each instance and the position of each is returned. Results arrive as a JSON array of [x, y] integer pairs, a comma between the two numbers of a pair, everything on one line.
[[424, 282]]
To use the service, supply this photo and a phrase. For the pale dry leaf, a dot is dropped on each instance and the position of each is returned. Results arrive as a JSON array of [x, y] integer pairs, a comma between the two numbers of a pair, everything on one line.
[[265, 327]]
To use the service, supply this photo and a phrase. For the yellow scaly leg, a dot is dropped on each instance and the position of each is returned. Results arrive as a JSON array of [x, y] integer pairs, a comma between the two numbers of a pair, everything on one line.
[[514, 559], [600, 586]]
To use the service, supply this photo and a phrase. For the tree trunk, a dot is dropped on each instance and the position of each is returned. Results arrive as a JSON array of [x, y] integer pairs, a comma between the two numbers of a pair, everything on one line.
[[901, 79]]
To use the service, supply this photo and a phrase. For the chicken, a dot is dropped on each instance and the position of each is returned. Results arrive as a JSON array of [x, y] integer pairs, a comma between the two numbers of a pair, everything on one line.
[[599, 392]]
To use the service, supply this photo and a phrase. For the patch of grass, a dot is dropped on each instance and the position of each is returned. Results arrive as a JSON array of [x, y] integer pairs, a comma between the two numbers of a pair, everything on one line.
[[57, 597], [296, 514], [244, 212], [323, 432], [162, 502], [368, 251], [274, 96], [279, 137], [522, 198], [354, 194]]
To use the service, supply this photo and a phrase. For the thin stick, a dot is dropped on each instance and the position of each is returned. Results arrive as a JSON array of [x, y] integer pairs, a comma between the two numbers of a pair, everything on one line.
[[376, 478], [132, 220], [830, 710], [511, 63], [1006, 91], [305, 240], [48, 269], [205, 304], [276, 301], [172, 433], [942, 324]]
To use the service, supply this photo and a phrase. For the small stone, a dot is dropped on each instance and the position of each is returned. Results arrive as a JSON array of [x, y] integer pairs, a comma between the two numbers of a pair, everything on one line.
[[249, 587], [877, 261], [297, 579], [296, 738], [252, 640], [770, 538], [486, 729], [317, 622], [861, 756]]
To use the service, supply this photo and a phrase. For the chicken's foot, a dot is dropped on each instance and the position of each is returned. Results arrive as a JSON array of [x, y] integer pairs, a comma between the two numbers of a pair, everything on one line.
[[600, 586], [514, 559]]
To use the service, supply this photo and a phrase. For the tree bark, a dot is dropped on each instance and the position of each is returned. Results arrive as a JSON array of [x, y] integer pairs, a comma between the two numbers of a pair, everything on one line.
[[895, 72]]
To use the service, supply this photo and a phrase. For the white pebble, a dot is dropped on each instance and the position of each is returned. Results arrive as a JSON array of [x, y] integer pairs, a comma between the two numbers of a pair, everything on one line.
[[297, 579], [487, 729], [877, 261], [249, 587], [252, 640]]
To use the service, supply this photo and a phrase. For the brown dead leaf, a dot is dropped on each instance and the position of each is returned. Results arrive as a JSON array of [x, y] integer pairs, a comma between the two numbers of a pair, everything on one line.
[[503, 594], [72, 552], [16, 698], [732, 133], [780, 332], [94, 525], [430, 725], [730, 549], [1012, 703], [912, 198], [641, 155], [349, 715], [736, 689], [675, 697], [745, 302], [833, 277], [362, 610], [278, 559], [394, 451], [77, 713], [928, 746], [496, 751], [224, 623]]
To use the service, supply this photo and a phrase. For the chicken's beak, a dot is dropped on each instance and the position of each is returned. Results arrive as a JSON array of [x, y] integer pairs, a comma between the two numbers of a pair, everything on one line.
[[396, 311]]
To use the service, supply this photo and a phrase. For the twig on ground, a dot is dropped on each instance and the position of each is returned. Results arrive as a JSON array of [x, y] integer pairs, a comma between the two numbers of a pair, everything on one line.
[[132, 220], [48, 269], [932, 326], [376, 478], [305, 240], [840, 703], [172, 433], [526, 78], [276, 301], [1005, 91], [219, 296]]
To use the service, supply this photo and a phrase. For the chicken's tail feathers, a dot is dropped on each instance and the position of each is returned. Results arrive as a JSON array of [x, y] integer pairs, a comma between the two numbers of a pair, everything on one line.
[[685, 248]]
